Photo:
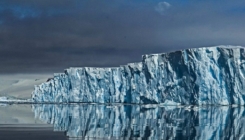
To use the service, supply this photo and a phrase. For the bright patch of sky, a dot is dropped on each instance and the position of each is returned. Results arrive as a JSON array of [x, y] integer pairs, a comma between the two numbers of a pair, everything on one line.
[[162, 7], [23, 12]]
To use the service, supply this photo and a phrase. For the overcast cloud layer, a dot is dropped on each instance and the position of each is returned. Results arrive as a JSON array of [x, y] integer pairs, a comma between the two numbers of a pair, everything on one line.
[[40, 36]]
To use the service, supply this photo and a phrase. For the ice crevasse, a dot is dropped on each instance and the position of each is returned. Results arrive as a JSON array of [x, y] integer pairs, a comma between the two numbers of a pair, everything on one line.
[[195, 76]]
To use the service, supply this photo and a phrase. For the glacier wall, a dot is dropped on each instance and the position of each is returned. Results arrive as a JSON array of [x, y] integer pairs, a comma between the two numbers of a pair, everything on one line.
[[142, 122], [196, 76]]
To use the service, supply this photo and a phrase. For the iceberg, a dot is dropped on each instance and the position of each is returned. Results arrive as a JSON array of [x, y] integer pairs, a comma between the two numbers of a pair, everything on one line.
[[195, 76]]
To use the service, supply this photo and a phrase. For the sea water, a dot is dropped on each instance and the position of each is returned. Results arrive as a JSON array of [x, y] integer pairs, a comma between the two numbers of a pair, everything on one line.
[[120, 121]]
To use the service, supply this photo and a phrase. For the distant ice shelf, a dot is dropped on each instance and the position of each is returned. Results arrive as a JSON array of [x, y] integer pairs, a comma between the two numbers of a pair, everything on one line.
[[196, 76], [5, 99]]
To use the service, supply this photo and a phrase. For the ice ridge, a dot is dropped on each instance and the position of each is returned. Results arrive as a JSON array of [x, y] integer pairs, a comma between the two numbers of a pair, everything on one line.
[[195, 76]]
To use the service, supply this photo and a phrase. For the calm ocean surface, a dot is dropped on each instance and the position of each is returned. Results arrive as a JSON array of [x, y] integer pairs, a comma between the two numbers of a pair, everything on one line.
[[96, 121]]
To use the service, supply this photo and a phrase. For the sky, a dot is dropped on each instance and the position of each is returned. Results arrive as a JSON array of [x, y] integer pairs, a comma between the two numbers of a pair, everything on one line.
[[48, 36]]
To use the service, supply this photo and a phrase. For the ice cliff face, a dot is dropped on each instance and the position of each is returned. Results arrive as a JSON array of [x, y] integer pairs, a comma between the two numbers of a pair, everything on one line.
[[139, 122], [211, 75]]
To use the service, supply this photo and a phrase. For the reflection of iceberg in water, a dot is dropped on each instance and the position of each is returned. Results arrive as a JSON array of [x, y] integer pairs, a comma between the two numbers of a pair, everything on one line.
[[133, 121]]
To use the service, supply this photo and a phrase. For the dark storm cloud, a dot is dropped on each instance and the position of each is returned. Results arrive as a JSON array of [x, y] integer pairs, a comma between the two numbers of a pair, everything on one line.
[[49, 36]]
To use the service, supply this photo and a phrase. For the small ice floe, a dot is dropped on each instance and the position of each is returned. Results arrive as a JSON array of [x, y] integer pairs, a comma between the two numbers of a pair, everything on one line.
[[5, 99]]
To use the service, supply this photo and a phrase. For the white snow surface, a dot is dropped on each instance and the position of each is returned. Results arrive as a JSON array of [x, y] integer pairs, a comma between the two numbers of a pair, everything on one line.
[[196, 76]]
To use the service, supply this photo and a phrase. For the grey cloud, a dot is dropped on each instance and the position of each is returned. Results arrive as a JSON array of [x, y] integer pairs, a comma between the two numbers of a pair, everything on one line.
[[110, 33]]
